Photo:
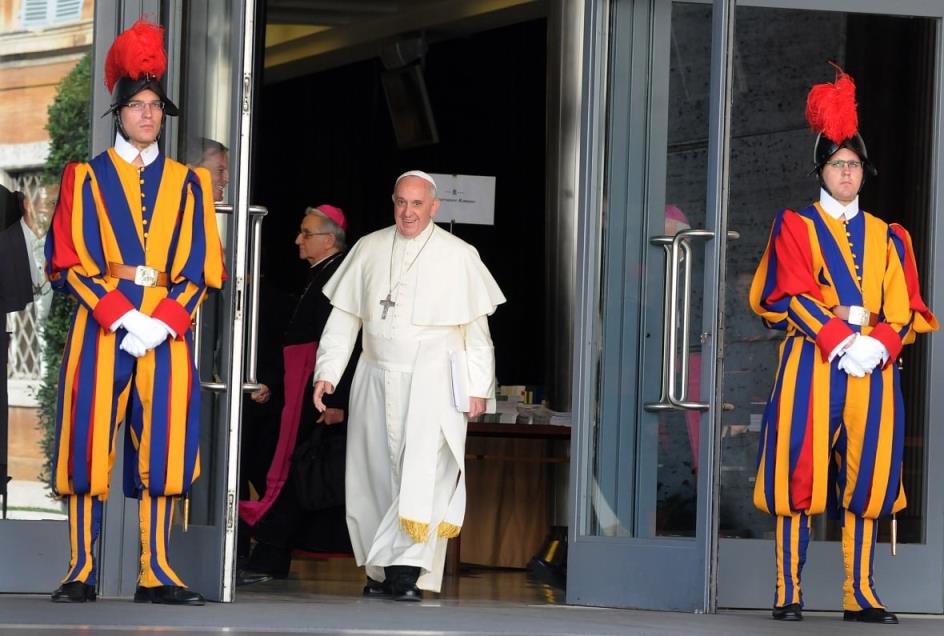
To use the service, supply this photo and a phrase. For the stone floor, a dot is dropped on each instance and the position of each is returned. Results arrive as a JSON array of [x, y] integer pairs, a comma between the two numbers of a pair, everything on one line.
[[323, 597]]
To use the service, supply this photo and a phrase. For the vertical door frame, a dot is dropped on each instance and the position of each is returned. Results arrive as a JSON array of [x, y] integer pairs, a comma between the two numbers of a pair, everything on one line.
[[246, 97]]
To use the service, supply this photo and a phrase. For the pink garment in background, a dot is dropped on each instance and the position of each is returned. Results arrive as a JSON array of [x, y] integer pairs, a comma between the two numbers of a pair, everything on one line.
[[299, 365], [694, 393]]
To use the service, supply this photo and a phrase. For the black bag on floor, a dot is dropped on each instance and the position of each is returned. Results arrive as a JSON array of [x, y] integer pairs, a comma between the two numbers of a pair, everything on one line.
[[318, 468]]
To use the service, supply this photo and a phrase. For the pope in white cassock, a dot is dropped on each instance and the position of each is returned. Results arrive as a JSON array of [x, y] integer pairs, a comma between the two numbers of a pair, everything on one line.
[[422, 298]]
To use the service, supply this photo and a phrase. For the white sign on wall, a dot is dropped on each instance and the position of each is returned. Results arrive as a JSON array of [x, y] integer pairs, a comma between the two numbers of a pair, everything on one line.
[[465, 198]]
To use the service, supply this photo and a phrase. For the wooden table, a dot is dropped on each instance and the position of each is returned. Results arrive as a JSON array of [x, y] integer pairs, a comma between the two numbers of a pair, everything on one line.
[[552, 434]]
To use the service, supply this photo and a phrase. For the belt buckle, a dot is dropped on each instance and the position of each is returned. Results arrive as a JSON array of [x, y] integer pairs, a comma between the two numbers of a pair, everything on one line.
[[145, 276], [859, 315]]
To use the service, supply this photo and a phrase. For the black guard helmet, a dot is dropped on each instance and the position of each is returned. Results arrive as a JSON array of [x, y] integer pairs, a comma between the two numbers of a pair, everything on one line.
[[824, 148]]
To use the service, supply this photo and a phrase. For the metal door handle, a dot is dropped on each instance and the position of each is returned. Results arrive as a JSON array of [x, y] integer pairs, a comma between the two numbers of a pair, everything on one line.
[[668, 332], [678, 395], [680, 398], [673, 394], [256, 215]]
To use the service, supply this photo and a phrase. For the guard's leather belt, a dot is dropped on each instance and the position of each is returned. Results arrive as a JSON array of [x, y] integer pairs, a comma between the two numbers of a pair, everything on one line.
[[856, 315], [140, 275]]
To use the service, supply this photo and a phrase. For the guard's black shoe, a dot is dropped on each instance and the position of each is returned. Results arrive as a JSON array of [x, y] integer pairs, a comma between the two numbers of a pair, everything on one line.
[[409, 594], [168, 595], [249, 577], [74, 592], [791, 612], [376, 589], [871, 615]]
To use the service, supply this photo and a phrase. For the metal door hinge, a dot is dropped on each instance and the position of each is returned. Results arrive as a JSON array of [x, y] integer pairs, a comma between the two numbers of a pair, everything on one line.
[[230, 510]]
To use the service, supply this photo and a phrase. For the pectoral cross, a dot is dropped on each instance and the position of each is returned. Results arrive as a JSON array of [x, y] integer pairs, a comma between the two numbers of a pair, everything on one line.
[[387, 303]]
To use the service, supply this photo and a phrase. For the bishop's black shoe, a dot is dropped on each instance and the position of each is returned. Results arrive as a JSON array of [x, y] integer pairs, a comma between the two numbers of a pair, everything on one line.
[[168, 595], [791, 612], [74, 592], [871, 615], [250, 577], [377, 589]]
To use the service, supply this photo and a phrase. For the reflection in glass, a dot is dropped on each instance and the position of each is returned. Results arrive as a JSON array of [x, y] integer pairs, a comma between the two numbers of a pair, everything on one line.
[[685, 193], [25, 460], [645, 472], [52, 77], [771, 154]]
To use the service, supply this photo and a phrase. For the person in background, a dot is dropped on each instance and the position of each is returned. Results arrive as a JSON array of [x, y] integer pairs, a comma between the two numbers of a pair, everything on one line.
[[134, 241], [286, 517], [422, 297], [21, 280], [844, 286], [214, 156]]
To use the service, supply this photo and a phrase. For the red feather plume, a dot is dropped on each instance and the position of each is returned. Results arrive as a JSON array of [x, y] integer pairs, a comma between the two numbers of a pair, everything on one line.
[[831, 108], [135, 52]]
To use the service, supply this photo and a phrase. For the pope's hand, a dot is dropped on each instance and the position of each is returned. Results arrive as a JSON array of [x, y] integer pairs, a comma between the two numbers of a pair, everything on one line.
[[132, 345], [849, 364], [322, 387], [476, 406]]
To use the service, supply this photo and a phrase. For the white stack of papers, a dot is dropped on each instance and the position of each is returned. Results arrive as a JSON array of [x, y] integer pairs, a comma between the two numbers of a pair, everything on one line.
[[540, 414]]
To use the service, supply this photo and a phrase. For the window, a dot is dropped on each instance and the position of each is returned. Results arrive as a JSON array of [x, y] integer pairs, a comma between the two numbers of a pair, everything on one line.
[[45, 13]]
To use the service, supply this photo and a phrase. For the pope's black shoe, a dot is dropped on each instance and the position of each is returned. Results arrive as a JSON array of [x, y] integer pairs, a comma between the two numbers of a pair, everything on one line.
[[871, 615], [408, 594], [401, 580], [74, 592], [249, 577], [168, 595], [376, 589], [791, 612]]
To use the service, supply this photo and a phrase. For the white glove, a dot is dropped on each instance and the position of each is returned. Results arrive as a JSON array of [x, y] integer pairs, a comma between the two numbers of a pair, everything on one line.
[[132, 345], [867, 351], [848, 364], [149, 331], [876, 345]]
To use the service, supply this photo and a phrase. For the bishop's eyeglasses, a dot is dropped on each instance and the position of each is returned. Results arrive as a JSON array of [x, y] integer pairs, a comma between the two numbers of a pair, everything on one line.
[[309, 235]]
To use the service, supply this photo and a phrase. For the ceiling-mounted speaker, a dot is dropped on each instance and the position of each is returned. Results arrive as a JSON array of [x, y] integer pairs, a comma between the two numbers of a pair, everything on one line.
[[403, 52]]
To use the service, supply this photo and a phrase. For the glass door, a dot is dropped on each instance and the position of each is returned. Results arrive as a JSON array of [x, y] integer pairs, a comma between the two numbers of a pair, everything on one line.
[[33, 522], [642, 529], [212, 69], [894, 54], [211, 72], [694, 138]]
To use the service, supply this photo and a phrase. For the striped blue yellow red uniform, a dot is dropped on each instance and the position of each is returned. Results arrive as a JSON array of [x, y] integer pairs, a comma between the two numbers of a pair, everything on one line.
[[161, 216], [831, 442]]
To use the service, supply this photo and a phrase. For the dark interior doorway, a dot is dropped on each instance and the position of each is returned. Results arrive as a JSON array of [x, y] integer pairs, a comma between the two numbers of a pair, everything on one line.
[[328, 137], [338, 135]]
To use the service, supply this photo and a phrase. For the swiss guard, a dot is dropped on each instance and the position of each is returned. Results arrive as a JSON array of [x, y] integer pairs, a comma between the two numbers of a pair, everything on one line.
[[844, 286], [134, 241]]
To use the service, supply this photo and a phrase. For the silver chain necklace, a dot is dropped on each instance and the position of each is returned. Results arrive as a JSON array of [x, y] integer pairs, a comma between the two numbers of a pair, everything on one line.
[[388, 302]]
